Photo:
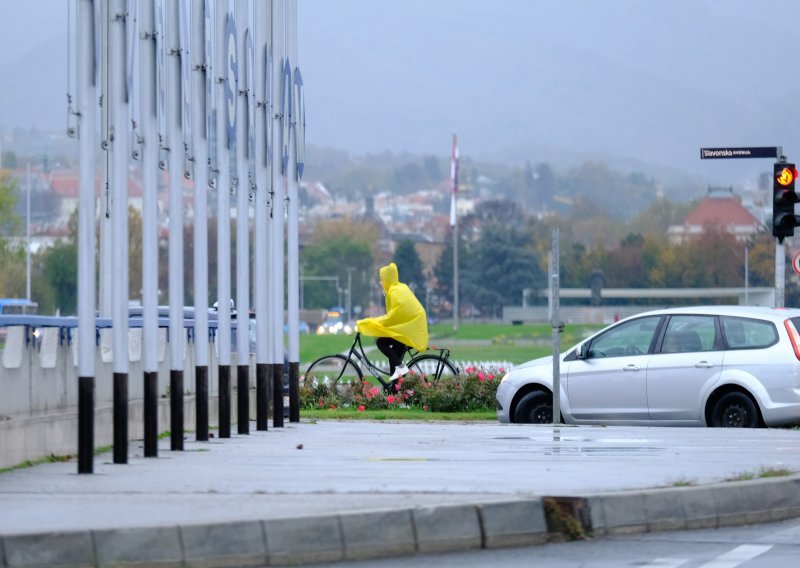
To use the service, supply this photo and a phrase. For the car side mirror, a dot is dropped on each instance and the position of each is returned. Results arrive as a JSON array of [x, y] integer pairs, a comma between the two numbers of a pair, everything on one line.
[[583, 351]]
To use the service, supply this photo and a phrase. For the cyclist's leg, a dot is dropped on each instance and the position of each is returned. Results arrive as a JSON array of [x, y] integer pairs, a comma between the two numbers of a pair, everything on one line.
[[394, 351]]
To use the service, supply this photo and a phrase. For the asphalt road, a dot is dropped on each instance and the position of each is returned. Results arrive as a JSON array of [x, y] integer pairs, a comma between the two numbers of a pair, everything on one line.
[[770, 545]]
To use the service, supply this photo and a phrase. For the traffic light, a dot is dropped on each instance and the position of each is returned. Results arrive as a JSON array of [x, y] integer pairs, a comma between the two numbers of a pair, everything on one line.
[[783, 218]]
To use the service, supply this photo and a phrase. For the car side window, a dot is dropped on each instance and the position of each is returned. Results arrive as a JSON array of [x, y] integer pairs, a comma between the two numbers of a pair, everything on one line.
[[689, 334], [629, 338], [744, 333]]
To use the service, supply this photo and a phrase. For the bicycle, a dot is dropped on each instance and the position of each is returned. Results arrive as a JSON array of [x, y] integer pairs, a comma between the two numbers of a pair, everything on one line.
[[341, 369]]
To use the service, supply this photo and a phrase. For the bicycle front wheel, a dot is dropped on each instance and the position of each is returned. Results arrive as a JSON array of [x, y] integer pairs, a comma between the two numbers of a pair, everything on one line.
[[335, 369], [432, 367]]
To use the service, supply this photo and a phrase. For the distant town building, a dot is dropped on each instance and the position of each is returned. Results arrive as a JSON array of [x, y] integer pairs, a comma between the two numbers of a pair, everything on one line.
[[720, 209]]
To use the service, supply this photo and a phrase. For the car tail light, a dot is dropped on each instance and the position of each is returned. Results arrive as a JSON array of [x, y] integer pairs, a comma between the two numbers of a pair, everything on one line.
[[794, 337]]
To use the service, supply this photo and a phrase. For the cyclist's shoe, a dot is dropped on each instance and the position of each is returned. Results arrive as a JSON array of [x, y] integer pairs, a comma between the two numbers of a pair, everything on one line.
[[399, 372]]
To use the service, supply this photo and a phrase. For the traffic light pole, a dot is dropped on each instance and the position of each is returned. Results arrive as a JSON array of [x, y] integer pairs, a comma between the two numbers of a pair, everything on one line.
[[784, 199], [780, 272]]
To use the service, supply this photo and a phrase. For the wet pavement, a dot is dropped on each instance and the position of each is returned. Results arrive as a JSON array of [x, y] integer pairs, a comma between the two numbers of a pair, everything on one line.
[[331, 467]]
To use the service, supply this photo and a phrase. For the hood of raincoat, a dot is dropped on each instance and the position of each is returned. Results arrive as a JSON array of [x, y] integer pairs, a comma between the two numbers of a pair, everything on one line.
[[405, 318], [389, 276]]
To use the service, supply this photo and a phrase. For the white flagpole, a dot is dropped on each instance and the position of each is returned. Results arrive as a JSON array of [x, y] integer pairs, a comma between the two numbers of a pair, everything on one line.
[[278, 188], [292, 235], [262, 222], [222, 72], [200, 175], [454, 224], [87, 95], [242, 225], [150, 176], [173, 116], [119, 223]]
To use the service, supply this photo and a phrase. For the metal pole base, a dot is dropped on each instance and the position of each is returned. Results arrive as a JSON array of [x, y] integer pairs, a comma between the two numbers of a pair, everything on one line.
[[294, 392], [86, 425], [243, 399], [151, 414], [277, 395], [176, 409], [201, 403], [262, 394], [224, 401], [120, 417]]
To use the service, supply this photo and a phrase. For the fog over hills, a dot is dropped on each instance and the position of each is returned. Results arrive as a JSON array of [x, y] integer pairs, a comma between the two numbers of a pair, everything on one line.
[[639, 84]]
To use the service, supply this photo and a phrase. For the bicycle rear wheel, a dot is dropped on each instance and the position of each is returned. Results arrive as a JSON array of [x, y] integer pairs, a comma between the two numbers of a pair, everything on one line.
[[433, 367], [336, 369]]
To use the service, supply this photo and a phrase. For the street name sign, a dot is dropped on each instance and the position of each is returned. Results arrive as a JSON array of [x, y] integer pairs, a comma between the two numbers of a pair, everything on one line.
[[729, 153]]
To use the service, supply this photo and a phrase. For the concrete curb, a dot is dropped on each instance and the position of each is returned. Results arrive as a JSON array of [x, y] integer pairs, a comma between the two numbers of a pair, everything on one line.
[[374, 534]]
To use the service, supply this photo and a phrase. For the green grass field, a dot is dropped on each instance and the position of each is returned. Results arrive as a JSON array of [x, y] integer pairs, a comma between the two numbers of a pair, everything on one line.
[[472, 341]]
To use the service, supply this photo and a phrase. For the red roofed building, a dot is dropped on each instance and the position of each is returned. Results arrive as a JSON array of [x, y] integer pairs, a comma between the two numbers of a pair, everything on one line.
[[720, 209]]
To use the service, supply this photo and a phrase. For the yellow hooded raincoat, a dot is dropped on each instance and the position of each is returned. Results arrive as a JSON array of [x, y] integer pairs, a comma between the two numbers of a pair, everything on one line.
[[405, 318]]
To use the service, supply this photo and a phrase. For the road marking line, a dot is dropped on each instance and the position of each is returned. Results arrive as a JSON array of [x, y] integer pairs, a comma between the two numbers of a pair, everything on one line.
[[737, 556], [666, 563]]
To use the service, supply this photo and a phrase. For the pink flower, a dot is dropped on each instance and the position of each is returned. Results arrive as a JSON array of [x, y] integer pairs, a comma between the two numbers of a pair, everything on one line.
[[411, 393], [361, 408], [390, 399], [424, 407], [374, 391], [322, 404], [333, 407], [490, 377], [481, 377], [502, 370]]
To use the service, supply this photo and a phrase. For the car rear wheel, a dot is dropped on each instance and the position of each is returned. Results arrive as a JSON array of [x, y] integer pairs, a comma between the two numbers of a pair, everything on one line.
[[734, 410], [535, 408]]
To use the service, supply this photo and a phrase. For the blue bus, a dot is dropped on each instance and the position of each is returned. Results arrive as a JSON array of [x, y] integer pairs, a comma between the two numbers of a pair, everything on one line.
[[17, 306]]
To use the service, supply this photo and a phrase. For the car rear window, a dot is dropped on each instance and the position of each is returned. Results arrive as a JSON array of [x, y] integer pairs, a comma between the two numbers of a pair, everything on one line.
[[744, 333], [685, 334]]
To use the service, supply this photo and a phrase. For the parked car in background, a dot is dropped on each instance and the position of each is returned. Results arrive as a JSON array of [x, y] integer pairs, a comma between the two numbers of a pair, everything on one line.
[[722, 366]]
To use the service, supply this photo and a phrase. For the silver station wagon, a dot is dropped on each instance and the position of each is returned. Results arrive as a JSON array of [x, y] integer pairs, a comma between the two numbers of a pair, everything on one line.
[[722, 366]]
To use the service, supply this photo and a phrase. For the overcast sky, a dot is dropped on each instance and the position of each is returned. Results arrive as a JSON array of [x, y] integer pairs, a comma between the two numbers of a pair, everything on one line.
[[643, 81]]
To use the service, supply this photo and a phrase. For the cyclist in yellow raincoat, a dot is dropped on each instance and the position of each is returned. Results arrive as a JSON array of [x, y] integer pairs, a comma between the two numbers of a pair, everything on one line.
[[404, 324]]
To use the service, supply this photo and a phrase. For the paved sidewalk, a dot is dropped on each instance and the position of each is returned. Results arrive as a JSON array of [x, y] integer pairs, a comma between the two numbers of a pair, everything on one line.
[[332, 490]]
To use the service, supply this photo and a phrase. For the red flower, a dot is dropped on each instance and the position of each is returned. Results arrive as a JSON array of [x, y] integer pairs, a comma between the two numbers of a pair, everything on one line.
[[424, 407], [333, 406], [361, 408], [390, 399]]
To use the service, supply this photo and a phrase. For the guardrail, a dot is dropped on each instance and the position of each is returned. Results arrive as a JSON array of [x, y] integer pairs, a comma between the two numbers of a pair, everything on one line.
[[40, 386]]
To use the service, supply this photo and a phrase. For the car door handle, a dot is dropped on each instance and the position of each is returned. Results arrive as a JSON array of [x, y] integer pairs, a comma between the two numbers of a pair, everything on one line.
[[631, 367], [704, 365]]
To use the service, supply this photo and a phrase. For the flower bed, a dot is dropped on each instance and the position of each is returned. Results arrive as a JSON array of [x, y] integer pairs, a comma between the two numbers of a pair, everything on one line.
[[473, 390]]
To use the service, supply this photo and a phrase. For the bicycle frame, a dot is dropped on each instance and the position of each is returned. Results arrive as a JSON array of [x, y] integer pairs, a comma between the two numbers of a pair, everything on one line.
[[359, 356]]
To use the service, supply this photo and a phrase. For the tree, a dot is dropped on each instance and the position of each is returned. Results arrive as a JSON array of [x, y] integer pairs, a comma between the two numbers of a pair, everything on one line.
[[503, 265], [60, 269], [9, 221], [340, 249], [409, 266]]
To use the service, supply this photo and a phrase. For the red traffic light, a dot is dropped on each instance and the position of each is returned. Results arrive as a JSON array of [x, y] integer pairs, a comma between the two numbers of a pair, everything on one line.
[[786, 176]]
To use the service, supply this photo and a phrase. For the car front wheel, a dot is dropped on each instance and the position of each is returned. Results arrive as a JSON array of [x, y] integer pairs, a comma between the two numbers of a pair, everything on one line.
[[535, 408], [734, 410]]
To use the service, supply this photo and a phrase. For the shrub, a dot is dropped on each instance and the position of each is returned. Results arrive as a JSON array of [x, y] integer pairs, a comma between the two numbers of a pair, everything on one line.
[[473, 390]]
